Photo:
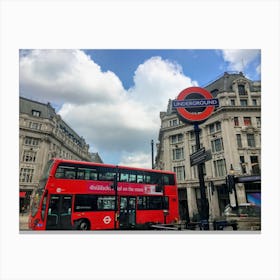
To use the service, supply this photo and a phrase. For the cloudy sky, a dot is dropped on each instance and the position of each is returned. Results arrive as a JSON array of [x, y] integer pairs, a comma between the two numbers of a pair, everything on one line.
[[113, 97]]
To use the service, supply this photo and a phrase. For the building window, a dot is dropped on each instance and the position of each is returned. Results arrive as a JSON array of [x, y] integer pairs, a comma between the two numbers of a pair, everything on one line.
[[243, 165], [26, 175], [217, 145], [173, 122], [176, 138], [29, 156], [241, 90], [236, 121], [193, 148], [36, 113], [220, 168], [178, 153], [180, 172], [258, 119], [251, 140], [247, 121], [239, 140], [214, 127], [255, 165], [194, 172], [30, 141], [254, 102], [232, 102], [218, 126], [244, 102], [34, 125]]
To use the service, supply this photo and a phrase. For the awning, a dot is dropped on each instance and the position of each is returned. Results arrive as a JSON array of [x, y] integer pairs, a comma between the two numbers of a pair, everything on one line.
[[22, 194]]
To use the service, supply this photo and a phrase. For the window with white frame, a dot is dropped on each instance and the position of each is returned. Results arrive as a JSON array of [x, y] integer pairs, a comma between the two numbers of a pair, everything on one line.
[[193, 148], [251, 140], [36, 113], [217, 145], [29, 156], [258, 120], [220, 167], [176, 138], [239, 140], [173, 122], [35, 125], [214, 127], [178, 153], [30, 141], [180, 172], [243, 102], [26, 175]]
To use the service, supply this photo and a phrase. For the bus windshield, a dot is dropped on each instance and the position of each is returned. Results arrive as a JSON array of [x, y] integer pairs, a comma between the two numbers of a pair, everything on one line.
[[35, 201], [47, 170]]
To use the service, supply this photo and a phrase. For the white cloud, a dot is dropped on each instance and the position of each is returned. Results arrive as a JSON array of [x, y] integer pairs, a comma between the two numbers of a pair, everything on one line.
[[258, 69], [142, 160], [66, 76], [95, 104], [239, 59], [156, 80]]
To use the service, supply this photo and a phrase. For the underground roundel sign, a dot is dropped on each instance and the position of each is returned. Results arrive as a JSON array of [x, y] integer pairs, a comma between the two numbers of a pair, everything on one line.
[[195, 104]]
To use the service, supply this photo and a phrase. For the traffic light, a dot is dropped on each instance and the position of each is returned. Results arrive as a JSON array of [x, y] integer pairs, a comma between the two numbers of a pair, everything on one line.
[[230, 182]]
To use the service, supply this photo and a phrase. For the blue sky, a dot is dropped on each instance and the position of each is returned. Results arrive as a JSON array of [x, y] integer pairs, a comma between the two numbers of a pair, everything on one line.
[[200, 65], [113, 98]]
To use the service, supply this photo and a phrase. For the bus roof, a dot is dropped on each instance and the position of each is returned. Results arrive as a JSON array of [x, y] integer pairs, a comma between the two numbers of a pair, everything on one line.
[[60, 160]]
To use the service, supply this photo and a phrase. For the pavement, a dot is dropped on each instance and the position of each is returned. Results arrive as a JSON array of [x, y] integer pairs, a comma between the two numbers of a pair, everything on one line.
[[23, 222]]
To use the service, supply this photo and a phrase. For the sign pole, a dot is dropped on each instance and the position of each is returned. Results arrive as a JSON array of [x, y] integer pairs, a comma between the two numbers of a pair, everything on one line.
[[204, 210], [194, 105]]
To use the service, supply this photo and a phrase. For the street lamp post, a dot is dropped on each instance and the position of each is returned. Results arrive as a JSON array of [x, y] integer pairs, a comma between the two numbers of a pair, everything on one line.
[[152, 148], [231, 182]]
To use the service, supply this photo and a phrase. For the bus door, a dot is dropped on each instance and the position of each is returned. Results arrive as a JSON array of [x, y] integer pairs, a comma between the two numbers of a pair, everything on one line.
[[127, 212], [59, 212]]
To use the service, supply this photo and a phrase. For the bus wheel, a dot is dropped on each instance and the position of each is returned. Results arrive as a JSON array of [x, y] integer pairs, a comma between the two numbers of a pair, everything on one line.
[[82, 225]]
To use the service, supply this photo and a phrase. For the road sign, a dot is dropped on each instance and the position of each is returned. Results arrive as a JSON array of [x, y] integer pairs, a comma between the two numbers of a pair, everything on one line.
[[197, 153], [182, 104], [200, 156]]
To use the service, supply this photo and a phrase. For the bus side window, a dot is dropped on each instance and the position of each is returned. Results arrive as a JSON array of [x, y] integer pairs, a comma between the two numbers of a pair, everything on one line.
[[132, 178], [80, 175], [93, 175], [123, 177], [166, 180], [140, 178], [147, 179]]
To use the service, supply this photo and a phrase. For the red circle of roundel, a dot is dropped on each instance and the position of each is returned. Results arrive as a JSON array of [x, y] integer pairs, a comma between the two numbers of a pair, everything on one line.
[[190, 116]]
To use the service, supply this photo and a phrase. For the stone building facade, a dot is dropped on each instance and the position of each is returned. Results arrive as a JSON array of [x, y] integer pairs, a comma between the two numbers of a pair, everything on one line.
[[233, 136], [44, 135]]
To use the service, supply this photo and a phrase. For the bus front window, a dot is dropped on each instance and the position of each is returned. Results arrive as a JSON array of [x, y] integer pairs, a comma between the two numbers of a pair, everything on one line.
[[47, 170], [35, 201]]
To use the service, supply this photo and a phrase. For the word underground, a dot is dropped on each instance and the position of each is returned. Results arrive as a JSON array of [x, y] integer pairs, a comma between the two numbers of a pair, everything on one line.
[[195, 103]]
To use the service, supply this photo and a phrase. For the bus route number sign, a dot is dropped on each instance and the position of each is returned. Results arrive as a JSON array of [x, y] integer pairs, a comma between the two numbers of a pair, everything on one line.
[[191, 107]]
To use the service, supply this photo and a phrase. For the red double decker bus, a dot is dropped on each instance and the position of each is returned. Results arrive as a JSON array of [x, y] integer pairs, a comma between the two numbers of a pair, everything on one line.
[[91, 196]]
